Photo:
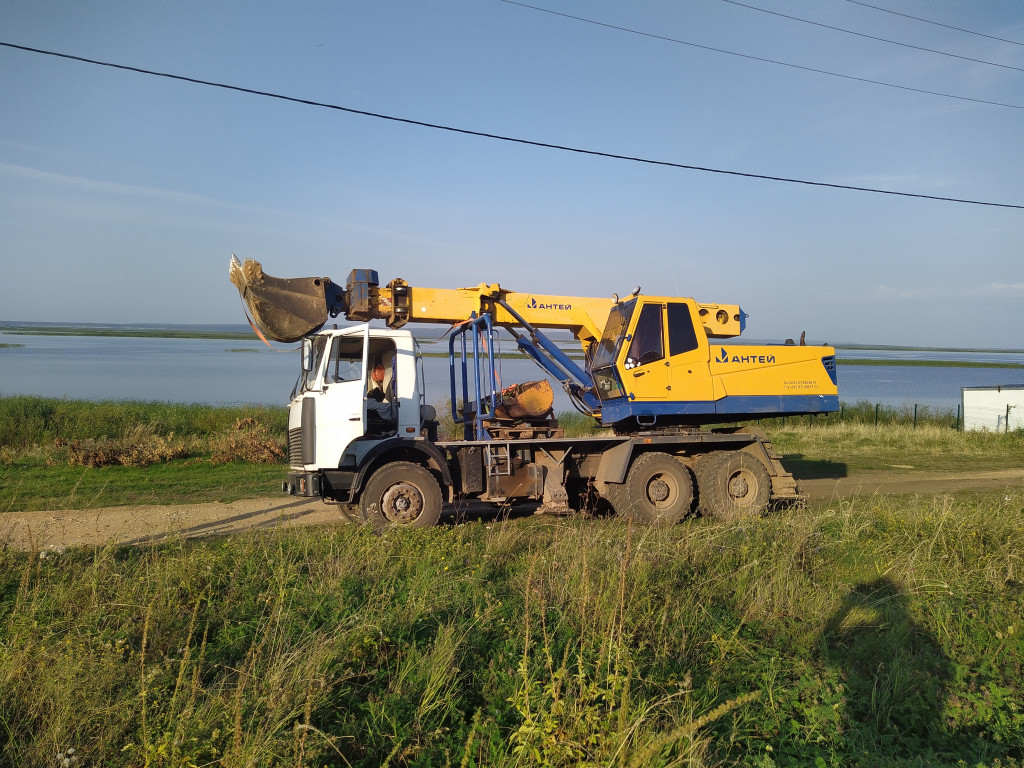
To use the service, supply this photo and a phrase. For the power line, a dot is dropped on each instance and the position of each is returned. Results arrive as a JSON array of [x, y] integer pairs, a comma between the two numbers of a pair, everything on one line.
[[498, 137], [870, 37], [936, 23], [761, 59]]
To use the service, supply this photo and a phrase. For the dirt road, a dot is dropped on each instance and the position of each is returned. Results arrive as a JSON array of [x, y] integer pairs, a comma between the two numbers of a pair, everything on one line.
[[148, 524]]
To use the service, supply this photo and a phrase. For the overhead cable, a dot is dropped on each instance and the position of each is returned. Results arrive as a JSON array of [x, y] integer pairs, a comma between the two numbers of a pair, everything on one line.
[[760, 58], [498, 137], [871, 37], [936, 23]]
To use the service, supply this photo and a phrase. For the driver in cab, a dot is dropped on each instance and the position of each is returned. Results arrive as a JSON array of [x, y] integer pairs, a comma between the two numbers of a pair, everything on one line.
[[379, 402]]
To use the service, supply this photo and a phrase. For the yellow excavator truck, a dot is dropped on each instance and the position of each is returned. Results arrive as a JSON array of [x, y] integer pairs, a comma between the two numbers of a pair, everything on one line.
[[654, 376]]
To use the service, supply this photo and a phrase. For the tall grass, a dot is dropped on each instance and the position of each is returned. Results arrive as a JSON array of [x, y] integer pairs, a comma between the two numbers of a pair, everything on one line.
[[27, 420], [46, 443], [67, 454], [864, 412], [874, 632], [857, 446]]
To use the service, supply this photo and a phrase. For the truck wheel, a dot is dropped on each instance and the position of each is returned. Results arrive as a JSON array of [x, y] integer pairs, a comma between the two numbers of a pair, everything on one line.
[[614, 495], [351, 512], [401, 494], [733, 486], [658, 490]]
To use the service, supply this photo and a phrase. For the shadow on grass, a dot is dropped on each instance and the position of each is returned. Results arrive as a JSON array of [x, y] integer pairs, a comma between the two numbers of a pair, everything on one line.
[[896, 681], [813, 469], [894, 672], [482, 511]]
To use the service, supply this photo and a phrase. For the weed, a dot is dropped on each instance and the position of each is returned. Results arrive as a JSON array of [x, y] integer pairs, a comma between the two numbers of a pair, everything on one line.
[[248, 440], [138, 446]]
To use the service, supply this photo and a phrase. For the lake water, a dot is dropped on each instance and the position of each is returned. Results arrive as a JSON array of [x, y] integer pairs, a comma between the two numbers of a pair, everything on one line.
[[232, 372]]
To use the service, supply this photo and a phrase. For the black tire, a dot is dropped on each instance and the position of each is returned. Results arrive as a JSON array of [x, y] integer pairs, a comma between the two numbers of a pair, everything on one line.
[[733, 486], [658, 490], [614, 495], [351, 512], [401, 495]]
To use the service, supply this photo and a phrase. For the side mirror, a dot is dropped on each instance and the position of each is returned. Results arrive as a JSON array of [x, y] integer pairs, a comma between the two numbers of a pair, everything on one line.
[[307, 355]]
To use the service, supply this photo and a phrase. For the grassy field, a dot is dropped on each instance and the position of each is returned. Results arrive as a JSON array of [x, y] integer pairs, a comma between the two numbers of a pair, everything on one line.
[[882, 631], [60, 454]]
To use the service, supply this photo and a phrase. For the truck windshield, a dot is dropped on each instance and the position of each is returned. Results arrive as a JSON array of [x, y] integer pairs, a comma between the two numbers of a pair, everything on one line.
[[614, 330]]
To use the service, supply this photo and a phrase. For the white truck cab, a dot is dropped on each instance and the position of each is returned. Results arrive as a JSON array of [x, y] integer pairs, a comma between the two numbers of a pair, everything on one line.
[[332, 422]]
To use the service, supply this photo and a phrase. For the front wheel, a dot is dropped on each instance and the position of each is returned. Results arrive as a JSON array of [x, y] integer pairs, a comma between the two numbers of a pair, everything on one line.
[[401, 495], [351, 512]]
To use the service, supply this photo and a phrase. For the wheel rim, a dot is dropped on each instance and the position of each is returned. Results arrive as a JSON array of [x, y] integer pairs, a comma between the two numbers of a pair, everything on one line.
[[401, 503], [742, 486], [661, 491]]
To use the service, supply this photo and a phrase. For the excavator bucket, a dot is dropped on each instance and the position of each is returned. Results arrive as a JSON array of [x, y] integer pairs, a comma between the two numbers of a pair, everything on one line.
[[283, 309]]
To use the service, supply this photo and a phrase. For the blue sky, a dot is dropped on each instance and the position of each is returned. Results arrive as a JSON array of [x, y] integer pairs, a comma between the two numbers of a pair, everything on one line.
[[122, 195]]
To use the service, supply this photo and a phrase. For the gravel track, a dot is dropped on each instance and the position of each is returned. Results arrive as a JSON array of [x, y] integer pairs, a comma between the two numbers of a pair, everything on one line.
[[41, 531]]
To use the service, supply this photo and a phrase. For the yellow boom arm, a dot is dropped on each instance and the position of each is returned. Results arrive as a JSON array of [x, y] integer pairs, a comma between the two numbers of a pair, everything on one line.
[[288, 309]]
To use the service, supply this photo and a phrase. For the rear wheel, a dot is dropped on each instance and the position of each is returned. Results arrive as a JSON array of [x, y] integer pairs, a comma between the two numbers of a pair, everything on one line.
[[658, 490], [614, 496], [733, 486], [401, 495]]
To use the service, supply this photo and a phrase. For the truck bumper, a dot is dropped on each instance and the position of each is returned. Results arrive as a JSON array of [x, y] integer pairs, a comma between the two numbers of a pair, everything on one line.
[[302, 484]]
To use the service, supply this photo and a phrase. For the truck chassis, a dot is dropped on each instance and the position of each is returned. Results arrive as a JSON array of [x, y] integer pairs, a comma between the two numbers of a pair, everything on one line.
[[652, 478]]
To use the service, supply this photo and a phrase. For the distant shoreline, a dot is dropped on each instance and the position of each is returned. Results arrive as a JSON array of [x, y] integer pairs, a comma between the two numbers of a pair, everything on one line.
[[127, 332], [199, 332], [930, 363]]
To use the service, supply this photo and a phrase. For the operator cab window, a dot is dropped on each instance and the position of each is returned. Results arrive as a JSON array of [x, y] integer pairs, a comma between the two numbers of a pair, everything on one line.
[[381, 388], [646, 346], [681, 336]]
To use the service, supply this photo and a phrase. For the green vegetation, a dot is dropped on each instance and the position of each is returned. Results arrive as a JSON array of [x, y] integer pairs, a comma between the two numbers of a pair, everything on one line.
[[882, 632], [863, 437], [26, 420], [68, 454], [820, 451], [11, 346]]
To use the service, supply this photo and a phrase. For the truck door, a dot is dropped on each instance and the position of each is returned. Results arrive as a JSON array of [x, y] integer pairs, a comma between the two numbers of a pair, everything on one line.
[[645, 365], [340, 411], [689, 372]]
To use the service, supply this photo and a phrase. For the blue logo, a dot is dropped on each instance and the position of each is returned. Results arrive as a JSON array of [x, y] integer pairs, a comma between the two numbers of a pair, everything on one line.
[[723, 357]]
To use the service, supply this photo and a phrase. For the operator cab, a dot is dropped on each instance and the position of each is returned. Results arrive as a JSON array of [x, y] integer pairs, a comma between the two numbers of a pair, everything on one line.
[[651, 362], [644, 338]]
